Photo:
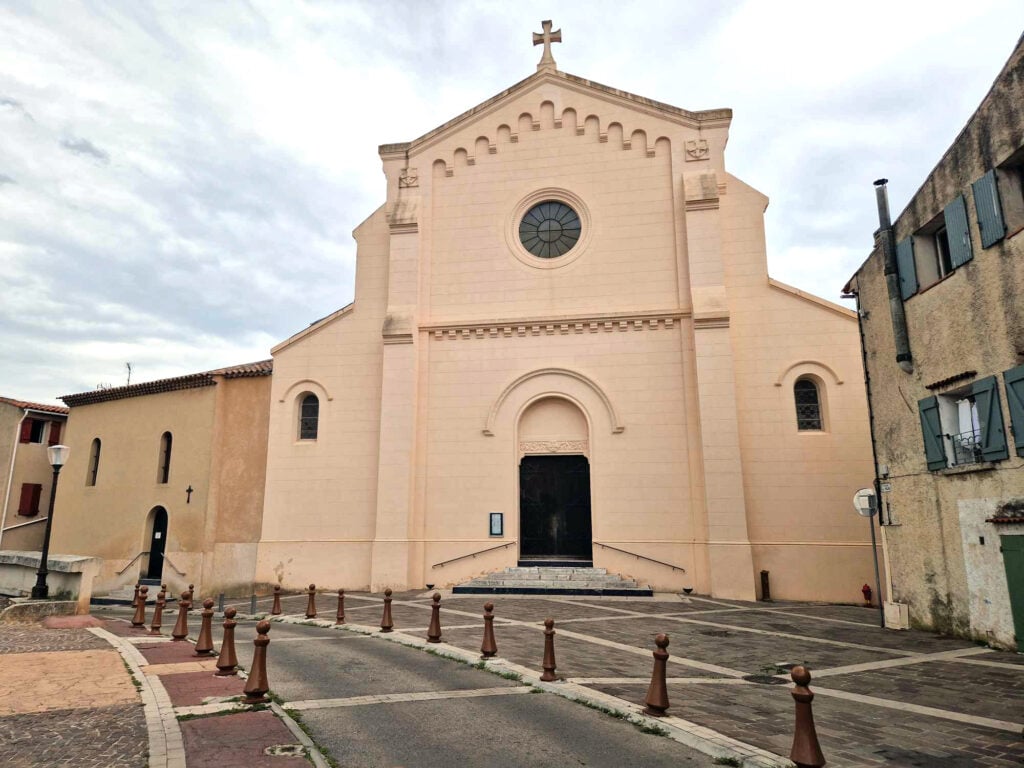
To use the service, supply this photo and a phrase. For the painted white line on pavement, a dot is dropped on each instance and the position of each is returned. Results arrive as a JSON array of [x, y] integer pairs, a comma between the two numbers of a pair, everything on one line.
[[398, 698], [277, 640], [903, 706], [646, 680], [871, 666]]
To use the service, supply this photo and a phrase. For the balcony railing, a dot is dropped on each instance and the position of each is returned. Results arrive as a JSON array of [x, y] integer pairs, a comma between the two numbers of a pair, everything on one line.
[[966, 448]]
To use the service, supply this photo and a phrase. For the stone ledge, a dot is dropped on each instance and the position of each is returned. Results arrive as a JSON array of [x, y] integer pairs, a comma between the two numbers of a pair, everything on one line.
[[60, 563], [22, 610]]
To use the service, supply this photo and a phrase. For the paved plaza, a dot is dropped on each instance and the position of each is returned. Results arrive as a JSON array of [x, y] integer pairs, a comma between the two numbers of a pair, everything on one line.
[[883, 698]]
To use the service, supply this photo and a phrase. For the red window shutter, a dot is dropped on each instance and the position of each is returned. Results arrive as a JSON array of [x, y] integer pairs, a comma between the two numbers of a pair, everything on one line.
[[26, 431], [55, 432], [29, 504]]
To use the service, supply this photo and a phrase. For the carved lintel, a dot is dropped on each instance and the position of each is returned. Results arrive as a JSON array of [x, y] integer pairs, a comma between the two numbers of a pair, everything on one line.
[[554, 446], [697, 149]]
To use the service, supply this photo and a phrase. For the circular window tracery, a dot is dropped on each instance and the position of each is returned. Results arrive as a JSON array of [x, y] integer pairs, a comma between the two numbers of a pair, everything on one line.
[[550, 229]]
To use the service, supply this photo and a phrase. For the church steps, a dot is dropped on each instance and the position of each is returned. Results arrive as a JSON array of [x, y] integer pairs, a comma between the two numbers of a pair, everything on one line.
[[525, 580]]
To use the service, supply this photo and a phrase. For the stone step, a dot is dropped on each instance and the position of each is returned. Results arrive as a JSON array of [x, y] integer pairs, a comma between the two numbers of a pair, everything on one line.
[[551, 580]]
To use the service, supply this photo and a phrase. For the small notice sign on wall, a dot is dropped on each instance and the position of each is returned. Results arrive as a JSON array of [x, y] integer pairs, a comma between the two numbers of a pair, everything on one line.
[[497, 523]]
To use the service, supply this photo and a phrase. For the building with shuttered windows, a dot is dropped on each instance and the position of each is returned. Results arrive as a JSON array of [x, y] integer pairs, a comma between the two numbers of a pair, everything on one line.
[[943, 331], [26, 430]]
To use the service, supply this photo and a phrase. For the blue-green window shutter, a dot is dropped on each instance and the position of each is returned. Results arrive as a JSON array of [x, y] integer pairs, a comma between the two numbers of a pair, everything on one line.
[[958, 233], [1014, 381], [931, 427], [990, 416], [990, 213], [908, 271]]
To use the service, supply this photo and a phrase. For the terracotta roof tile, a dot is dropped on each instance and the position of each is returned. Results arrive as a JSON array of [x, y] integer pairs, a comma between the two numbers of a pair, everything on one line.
[[189, 381], [34, 406]]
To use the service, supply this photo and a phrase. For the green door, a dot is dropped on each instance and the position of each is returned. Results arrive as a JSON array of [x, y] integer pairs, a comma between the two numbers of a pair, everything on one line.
[[1013, 559]]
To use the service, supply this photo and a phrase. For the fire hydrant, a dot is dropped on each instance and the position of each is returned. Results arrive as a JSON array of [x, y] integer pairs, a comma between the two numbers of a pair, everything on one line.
[[866, 590]]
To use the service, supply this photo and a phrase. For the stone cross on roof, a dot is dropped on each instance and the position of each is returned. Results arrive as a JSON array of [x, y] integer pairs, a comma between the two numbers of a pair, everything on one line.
[[547, 37]]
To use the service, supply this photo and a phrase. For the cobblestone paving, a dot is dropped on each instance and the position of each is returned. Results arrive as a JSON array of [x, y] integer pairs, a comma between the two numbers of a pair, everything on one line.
[[26, 638], [102, 737], [853, 733], [47, 670]]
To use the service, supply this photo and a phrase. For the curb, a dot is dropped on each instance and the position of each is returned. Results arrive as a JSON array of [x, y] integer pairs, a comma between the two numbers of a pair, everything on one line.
[[166, 747]]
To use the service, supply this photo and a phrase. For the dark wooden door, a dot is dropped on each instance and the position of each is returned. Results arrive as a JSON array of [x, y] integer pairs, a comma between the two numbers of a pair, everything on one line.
[[157, 543], [1013, 561], [554, 507]]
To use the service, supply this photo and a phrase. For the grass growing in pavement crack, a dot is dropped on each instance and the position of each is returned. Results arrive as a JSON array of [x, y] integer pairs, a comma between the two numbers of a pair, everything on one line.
[[135, 681], [297, 717], [644, 727]]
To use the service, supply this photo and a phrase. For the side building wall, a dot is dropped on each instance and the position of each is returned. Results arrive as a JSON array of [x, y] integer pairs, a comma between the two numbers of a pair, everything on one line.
[[952, 472]]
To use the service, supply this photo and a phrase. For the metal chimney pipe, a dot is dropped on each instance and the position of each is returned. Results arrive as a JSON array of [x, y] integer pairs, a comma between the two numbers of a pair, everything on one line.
[[887, 243]]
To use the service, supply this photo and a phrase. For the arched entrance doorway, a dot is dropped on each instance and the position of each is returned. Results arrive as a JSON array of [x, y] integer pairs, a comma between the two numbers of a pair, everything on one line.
[[554, 482], [157, 525]]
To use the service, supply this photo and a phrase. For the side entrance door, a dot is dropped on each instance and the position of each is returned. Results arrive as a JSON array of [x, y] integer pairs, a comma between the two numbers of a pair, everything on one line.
[[554, 507], [157, 544], [1013, 561]]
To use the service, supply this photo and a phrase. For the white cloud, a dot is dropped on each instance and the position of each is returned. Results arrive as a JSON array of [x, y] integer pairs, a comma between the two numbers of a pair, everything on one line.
[[241, 145]]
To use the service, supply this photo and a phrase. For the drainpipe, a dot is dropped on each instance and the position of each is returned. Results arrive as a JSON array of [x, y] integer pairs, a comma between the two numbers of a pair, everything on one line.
[[874, 459], [892, 278], [10, 475]]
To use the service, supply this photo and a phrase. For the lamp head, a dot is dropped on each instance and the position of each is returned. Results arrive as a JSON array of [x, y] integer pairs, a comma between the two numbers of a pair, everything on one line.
[[58, 455]]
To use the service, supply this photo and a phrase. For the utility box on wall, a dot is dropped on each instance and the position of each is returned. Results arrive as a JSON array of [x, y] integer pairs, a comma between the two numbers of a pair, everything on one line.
[[897, 615]]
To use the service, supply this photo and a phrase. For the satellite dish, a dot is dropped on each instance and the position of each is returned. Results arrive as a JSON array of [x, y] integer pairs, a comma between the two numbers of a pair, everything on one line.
[[865, 503]]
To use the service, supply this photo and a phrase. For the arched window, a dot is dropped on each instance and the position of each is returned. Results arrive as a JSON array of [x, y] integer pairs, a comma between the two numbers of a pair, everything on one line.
[[163, 471], [309, 417], [808, 405], [94, 462]]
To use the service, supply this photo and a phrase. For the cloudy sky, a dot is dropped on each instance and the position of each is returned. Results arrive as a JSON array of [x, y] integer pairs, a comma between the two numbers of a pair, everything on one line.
[[179, 180]]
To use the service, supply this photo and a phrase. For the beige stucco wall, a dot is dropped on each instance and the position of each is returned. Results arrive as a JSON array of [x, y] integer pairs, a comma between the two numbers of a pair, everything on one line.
[[943, 556], [457, 332], [219, 439], [23, 463]]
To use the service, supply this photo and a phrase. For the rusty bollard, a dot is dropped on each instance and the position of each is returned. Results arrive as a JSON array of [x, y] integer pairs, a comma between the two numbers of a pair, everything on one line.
[[549, 652], [158, 613], [340, 618], [311, 603], [434, 630], [191, 593], [139, 619], [180, 631], [806, 752], [657, 693], [204, 643], [276, 610], [386, 624], [489, 648], [227, 661], [135, 599], [257, 686]]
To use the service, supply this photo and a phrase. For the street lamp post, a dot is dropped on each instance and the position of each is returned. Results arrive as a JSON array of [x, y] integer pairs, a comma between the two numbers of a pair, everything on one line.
[[58, 455]]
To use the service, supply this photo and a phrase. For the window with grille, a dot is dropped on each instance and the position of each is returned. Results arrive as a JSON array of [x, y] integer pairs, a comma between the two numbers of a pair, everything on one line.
[[808, 405], [309, 417], [94, 463], [163, 473]]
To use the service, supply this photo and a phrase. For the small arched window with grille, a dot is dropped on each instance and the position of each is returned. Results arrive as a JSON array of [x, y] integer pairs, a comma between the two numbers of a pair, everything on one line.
[[808, 405], [163, 472], [309, 417], [94, 462]]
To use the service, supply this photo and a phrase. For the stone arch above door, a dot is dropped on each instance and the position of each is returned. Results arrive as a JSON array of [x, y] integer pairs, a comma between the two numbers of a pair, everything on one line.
[[552, 382]]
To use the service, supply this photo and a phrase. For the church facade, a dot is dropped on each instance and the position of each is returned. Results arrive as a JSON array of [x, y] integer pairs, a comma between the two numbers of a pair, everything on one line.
[[564, 346]]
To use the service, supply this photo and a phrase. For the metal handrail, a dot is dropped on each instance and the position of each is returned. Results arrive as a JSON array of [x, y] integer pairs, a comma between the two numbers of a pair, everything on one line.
[[168, 561], [132, 561], [642, 557], [474, 554]]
